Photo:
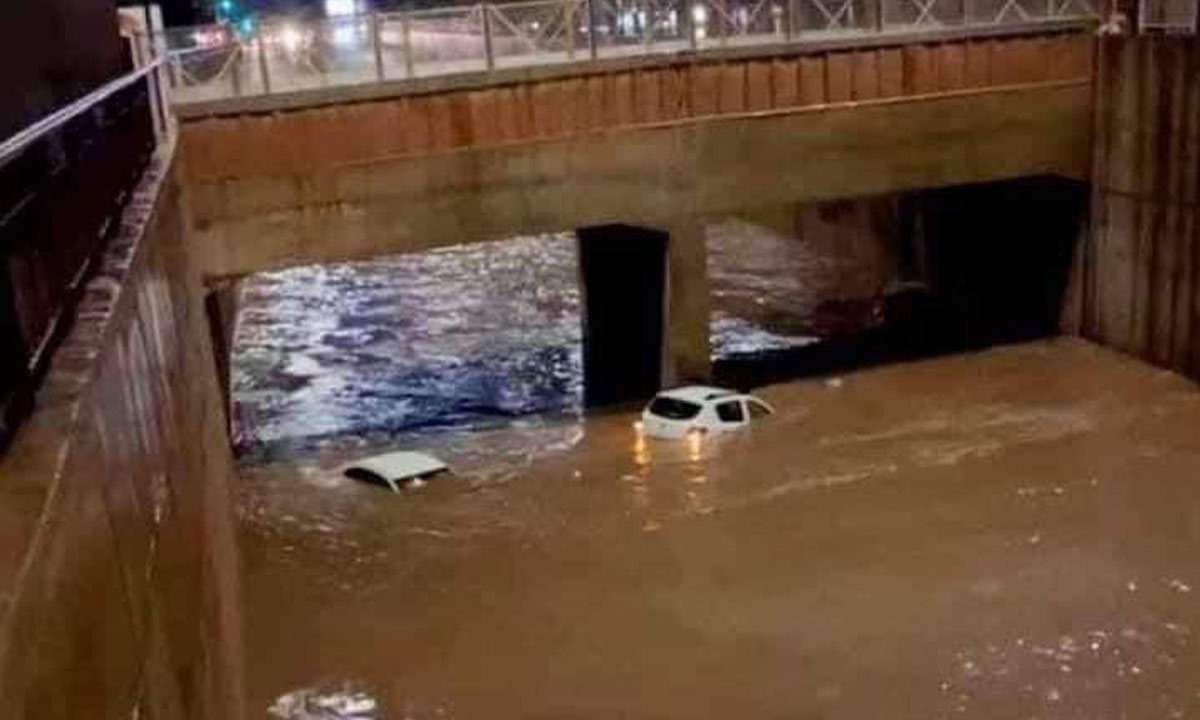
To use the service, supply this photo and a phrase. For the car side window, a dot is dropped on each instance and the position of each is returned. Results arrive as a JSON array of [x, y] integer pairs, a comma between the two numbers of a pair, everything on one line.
[[731, 412], [757, 410]]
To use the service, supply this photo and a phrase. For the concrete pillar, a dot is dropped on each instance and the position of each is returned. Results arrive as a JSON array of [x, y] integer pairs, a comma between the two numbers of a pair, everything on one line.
[[687, 356], [221, 305], [622, 278]]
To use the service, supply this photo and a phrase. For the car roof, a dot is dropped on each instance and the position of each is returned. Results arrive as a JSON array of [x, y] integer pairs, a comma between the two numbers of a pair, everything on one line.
[[400, 465], [697, 393]]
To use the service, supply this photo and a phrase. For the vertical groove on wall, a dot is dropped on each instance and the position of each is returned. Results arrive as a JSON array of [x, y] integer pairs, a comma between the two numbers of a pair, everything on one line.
[[1192, 306], [1190, 114], [1142, 166], [1141, 274]]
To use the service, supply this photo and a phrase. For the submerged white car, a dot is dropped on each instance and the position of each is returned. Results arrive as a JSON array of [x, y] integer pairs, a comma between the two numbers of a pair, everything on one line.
[[396, 470], [699, 410]]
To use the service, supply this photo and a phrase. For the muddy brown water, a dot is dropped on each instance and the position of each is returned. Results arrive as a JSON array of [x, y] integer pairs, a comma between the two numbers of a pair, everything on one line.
[[1010, 534]]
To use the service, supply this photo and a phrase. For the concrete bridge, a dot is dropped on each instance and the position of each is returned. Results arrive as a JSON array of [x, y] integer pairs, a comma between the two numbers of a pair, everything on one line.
[[659, 142], [651, 141]]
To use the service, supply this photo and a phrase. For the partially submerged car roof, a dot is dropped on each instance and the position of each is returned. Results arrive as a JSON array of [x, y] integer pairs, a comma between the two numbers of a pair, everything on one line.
[[697, 393], [399, 466]]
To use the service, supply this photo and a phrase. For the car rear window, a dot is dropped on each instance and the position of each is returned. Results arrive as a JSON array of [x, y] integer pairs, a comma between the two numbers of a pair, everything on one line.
[[673, 409]]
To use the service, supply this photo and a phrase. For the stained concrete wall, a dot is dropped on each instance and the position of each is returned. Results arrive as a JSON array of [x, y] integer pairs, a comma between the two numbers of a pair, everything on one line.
[[643, 146], [1138, 274], [118, 562]]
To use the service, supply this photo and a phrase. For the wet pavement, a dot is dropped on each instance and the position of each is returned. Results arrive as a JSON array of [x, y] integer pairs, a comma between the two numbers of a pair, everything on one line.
[[1010, 534]]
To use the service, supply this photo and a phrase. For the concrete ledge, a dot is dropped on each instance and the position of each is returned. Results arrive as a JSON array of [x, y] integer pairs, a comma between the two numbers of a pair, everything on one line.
[[649, 176]]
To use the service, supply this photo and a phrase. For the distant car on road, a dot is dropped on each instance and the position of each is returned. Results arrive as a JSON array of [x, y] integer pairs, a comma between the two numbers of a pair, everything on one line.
[[700, 410], [396, 470]]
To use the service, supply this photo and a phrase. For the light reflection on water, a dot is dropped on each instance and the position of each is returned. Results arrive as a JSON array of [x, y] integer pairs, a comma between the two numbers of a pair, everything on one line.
[[853, 525], [464, 336], [344, 702], [335, 357]]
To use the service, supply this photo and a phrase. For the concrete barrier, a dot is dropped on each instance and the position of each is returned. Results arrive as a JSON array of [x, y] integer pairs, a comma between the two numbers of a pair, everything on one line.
[[118, 561]]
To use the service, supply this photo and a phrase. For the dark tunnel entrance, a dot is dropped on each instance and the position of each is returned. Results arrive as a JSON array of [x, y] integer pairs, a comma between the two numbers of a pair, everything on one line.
[[939, 271]]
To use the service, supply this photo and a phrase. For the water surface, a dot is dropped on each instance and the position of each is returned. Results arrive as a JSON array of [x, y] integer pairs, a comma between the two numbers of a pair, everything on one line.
[[359, 354], [1009, 534]]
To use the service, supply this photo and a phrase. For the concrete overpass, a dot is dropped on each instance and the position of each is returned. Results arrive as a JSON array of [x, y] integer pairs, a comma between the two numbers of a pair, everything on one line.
[[648, 141], [660, 142]]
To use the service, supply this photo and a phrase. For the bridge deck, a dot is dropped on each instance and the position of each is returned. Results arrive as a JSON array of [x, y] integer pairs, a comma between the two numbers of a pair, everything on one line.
[[369, 57]]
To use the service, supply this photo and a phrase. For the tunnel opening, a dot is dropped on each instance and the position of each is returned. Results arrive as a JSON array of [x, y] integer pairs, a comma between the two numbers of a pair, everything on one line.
[[889, 279]]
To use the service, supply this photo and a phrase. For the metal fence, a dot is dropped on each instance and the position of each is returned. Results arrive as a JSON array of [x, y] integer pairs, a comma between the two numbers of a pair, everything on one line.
[[63, 184], [212, 62], [1169, 16]]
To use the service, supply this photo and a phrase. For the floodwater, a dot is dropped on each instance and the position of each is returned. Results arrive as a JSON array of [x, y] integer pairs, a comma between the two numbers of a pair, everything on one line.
[[352, 355], [359, 353], [1008, 534]]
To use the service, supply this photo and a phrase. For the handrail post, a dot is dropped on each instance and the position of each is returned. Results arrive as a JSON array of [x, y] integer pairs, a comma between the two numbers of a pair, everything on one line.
[[789, 19], [569, 26], [593, 43], [377, 46], [647, 25], [262, 62], [164, 97], [406, 32], [157, 113], [719, 6], [488, 53], [235, 71], [880, 24], [154, 83], [689, 17]]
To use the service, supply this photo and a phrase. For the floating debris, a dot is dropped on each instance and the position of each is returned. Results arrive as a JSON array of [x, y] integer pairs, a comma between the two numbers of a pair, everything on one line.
[[344, 703]]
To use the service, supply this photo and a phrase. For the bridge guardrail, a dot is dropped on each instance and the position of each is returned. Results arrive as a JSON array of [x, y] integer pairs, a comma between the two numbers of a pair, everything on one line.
[[64, 182], [213, 63]]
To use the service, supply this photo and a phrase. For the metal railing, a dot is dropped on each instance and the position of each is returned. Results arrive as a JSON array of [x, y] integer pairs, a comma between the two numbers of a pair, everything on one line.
[[64, 182], [1170, 16], [211, 63]]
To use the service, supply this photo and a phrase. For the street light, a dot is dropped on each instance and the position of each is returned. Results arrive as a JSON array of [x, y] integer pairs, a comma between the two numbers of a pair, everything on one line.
[[291, 37], [224, 10]]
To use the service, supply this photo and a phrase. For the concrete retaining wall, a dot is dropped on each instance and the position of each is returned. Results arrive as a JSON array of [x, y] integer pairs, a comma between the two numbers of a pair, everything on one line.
[[1138, 286], [118, 563]]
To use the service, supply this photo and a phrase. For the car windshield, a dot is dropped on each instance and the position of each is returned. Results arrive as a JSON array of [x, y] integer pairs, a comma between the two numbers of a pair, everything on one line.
[[673, 409]]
